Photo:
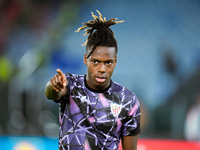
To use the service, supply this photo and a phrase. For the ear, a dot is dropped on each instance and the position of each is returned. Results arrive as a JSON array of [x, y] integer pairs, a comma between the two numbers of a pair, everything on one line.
[[85, 59], [115, 60]]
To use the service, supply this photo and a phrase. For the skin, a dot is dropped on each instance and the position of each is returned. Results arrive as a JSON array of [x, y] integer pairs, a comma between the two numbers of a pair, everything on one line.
[[56, 88], [129, 142], [100, 67]]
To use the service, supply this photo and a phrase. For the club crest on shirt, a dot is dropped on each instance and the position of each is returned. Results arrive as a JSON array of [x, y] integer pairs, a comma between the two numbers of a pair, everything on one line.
[[115, 109]]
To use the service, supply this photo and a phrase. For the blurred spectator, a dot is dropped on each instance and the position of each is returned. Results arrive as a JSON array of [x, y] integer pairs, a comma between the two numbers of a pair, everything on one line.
[[170, 63], [9, 13], [192, 121]]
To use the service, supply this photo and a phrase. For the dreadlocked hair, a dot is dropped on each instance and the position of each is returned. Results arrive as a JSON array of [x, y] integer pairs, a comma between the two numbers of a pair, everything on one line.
[[99, 32]]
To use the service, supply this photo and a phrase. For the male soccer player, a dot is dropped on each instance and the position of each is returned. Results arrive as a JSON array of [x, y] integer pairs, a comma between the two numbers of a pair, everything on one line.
[[95, 112]]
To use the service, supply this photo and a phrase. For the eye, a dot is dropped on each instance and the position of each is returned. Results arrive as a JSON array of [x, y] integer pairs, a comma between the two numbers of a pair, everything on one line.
[[94, 62], [108, 62]]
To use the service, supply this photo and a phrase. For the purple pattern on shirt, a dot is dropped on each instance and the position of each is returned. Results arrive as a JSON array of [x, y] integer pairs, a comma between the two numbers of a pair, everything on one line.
[[88, 122]]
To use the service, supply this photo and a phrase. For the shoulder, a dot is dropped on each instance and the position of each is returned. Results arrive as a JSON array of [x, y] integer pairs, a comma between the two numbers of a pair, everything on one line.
[[74, 78], [75, 81], [127, 97], [121, 90]]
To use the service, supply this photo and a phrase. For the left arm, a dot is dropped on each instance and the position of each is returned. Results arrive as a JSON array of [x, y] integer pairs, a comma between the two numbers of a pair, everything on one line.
[[130, 132], [129, 142]]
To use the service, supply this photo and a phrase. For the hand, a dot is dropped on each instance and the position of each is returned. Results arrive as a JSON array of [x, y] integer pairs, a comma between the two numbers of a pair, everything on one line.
[[59, 81]]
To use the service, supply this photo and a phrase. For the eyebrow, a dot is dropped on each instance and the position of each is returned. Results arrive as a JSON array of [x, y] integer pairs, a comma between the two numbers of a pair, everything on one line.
[[112, 59]]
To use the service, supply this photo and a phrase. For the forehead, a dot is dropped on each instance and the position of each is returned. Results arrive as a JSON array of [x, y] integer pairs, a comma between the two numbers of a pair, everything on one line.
[[103, 52]]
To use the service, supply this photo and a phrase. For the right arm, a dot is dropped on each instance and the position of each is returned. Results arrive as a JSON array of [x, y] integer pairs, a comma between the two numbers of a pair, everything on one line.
[[56, 88]]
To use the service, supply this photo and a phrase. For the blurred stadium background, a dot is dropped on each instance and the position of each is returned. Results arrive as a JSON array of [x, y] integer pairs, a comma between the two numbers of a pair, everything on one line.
[[158, 59]]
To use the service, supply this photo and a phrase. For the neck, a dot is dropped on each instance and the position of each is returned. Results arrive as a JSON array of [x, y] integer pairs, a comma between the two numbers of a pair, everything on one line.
[[97, 90]]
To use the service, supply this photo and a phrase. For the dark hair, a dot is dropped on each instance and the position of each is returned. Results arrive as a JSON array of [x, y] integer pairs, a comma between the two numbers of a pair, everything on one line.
[[99, 32]]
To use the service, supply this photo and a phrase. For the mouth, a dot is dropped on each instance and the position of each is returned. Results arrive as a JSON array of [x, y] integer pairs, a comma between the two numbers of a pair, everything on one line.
[[100, 79]]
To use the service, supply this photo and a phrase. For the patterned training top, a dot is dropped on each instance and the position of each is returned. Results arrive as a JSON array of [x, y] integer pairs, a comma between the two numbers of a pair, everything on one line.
[[96, 119]]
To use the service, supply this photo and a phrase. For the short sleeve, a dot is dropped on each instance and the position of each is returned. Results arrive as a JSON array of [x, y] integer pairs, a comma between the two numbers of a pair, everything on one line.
[[131, 124]]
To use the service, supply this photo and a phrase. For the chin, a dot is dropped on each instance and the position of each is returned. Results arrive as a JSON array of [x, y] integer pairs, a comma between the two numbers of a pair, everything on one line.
[[102, 85]]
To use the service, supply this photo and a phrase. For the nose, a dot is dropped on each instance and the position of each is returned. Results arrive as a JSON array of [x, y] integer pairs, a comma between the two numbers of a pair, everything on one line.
[[101, 67]]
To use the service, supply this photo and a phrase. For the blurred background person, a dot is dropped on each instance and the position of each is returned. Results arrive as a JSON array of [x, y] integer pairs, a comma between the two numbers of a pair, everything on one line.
[[192, 121]]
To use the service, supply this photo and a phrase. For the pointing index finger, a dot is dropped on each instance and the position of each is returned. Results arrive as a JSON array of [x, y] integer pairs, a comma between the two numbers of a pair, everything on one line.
[[60, 72], [63, 78]]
